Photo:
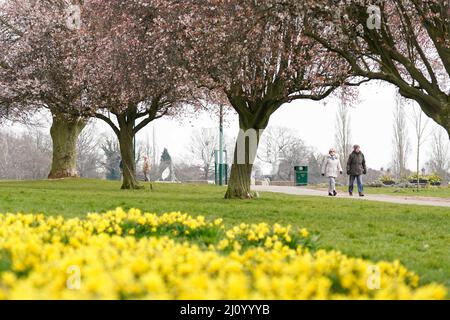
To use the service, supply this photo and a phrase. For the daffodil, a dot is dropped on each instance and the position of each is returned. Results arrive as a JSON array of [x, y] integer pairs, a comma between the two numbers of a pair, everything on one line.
[[112, 256]]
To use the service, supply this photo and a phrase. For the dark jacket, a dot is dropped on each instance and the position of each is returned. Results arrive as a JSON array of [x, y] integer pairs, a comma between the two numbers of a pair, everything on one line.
[[356, 164]]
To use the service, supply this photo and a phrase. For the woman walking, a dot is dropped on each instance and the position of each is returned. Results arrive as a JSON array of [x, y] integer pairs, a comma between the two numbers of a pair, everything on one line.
[[331, 168]]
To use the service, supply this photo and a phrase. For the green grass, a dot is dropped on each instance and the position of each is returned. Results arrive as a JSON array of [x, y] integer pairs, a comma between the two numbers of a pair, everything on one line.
[[438, 192], [418, 236], [435, 192]]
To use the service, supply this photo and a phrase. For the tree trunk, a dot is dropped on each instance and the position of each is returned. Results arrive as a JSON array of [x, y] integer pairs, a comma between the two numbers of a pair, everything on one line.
[[239, 184], [64, 133], [128, 162], [206, 168], [241, 169]]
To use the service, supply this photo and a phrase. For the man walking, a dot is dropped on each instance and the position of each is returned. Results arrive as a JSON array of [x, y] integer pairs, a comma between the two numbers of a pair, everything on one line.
[[356, 166]]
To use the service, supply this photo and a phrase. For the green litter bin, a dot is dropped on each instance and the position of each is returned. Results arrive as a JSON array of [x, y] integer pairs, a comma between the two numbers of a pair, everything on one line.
[[301, 175]]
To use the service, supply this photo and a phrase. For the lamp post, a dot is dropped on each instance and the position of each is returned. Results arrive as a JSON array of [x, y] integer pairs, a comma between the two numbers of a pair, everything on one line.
[[221, 166], [134, 146]]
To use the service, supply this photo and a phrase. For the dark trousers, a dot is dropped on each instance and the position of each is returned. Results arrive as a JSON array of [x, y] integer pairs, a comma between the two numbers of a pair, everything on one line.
[[358, 181]]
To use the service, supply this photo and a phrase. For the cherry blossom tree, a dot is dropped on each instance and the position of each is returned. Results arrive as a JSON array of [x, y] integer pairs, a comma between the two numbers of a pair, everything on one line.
[[403, 42], [40, 51], [256, 54], [92, 58], [128, 70]]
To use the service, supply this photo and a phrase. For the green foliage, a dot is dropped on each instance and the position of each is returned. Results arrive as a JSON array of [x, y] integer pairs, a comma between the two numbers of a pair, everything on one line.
[[421, 177], [5, 261], [434, 178], [112, 163], [165, 156], [408, 189], [203, 236], [386, 178]]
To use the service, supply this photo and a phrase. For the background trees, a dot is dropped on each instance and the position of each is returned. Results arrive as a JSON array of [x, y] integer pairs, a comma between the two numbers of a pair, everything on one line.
[[89, 157], [439, 157], [111, 162], [400, 141], [282, 149], [203, 145], [343, 134], [420, 123], [26, 155]]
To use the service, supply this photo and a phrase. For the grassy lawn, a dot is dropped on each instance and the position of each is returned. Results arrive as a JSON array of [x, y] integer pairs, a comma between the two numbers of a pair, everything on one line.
[[418, 236], [438, 192]]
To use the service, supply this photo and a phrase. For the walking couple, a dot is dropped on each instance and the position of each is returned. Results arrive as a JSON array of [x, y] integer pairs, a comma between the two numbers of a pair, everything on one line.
[[356, 167]]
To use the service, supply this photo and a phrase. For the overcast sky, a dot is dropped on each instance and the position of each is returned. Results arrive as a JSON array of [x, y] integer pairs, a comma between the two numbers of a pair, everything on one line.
[[371, 125]]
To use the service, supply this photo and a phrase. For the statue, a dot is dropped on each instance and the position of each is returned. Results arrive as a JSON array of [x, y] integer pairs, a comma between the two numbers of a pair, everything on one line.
[[166, 169]]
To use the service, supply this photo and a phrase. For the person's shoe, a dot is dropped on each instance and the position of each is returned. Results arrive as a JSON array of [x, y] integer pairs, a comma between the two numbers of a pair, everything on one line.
[[361, 194], [350, 194], [334, 193], [330, 194]]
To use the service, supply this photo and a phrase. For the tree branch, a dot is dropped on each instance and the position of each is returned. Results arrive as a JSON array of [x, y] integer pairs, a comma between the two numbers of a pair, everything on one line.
[[109, 122]]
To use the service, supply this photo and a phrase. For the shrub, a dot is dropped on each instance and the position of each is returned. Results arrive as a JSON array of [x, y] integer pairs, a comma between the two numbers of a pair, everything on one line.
[[375, 184], [421, 177], [434, 178], [387, 180]]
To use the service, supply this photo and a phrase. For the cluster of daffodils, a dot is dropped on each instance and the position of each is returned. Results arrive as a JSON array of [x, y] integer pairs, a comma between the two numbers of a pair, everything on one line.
[[135, 255], [264, 235]]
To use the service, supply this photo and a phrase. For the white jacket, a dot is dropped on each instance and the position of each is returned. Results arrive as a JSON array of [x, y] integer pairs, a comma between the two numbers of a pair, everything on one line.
[[331, 166]]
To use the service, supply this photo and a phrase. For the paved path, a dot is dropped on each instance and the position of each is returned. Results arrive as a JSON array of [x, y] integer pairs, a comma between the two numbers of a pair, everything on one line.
[[301, 191]]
